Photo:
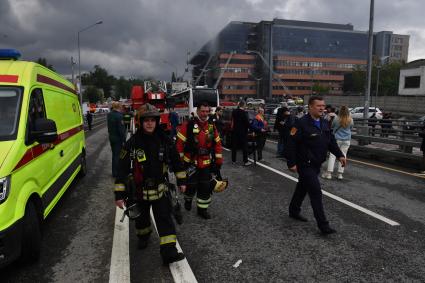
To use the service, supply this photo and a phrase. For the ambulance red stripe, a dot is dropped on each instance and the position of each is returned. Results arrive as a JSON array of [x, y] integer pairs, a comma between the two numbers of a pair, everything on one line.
[[9, 78], [35, 151], [50, 81]]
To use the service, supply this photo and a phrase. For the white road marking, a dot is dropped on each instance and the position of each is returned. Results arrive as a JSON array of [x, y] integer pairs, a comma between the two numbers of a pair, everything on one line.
[[120, 259], [180, 270], [337, 198]]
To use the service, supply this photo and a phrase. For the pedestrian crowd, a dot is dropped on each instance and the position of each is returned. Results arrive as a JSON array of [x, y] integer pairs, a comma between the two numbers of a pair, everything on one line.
[[193, 152]]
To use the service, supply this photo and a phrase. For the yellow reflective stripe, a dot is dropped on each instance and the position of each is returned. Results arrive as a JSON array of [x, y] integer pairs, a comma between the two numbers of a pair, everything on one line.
[[152, 197], [181, 174], [200, 205], [144, 231], [180, 136], [181, 154], [217, 139], [186, 159], [203, 200], [167, 239], [218, 155], [205, 162], [119, 187], [161, 188]]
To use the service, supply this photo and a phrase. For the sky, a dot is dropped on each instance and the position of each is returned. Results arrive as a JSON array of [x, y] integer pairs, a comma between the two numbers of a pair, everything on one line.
[[152, 37]]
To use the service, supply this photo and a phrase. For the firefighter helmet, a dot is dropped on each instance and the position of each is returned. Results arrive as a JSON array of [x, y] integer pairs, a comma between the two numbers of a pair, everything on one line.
[[219, 185], [148, 110]]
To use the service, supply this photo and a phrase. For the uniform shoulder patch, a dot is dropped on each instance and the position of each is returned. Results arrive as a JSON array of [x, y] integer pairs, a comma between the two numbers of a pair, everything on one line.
[[140, 155], [293, 131]]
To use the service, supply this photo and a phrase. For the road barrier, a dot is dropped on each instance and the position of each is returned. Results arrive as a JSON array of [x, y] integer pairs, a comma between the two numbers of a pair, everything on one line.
[[394, 141]]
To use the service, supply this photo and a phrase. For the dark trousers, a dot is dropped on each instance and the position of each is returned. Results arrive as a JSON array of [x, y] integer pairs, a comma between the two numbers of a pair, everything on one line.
[[260, 140], [164, 223], [89, 123], [280, 146], [116, 149], [240, 142], [200, 184], [308, 183]]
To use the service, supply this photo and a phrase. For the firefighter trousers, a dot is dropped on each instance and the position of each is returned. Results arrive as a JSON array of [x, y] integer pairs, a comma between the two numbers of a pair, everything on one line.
[[200, 184], [164, 223]]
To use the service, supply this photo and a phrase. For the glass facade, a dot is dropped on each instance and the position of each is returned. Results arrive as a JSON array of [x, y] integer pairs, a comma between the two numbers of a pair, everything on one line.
[[319, 43], [291, 48]]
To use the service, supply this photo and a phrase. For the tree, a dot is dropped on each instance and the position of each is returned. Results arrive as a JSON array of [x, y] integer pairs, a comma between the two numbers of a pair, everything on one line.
[[122, 88], [320, 89], [100, 78], [388, 79], [92, 94], [43, 62]]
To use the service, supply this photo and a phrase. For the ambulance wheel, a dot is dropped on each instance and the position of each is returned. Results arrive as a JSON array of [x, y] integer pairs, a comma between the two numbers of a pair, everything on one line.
[[31, 235], [83, 169]]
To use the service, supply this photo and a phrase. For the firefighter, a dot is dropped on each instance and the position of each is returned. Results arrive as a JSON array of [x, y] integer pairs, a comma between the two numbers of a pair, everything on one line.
[[127, 115], [199, 145], [149, 152]]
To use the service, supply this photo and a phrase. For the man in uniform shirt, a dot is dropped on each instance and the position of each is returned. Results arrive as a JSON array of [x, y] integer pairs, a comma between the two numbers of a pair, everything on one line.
[[309, 141]]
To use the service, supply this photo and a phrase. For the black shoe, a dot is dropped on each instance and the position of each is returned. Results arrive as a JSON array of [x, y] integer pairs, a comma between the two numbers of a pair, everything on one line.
[[202, 212], [326, 230], [142, 243], [171, 259], [188, 205], [298, 217]]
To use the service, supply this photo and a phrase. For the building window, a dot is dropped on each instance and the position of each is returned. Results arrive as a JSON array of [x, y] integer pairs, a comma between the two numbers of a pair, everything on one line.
[[412, 82]]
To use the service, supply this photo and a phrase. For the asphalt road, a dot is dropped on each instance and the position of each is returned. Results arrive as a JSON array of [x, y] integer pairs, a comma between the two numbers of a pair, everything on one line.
[[250, 224]]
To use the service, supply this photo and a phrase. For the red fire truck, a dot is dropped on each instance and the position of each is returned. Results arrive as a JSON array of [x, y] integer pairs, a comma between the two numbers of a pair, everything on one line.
[[154, 93]]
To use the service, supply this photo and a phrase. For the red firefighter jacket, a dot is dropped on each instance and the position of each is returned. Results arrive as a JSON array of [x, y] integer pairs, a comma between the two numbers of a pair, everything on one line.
[[199, 143]]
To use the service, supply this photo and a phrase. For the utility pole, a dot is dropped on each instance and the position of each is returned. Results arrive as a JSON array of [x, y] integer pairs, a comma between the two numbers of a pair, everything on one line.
[[369, 63]]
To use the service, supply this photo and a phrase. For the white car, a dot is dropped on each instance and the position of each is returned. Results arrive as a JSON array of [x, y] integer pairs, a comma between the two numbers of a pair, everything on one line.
[[255, 102], [357, 112]]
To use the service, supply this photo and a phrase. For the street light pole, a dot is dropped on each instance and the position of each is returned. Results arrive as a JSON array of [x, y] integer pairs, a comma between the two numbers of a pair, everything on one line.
[[79, 57], [378, 69], [369, 62], [268, 66]]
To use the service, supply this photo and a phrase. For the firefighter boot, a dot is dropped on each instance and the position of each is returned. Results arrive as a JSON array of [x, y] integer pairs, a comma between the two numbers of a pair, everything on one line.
[[202, 212], [170, 254]]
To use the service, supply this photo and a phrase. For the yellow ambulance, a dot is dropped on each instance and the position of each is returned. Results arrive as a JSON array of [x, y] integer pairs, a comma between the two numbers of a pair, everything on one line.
[[42, 150]]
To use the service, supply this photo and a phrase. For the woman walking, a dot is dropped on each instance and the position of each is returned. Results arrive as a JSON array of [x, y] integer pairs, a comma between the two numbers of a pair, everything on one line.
[[259, 126], [341, 127]]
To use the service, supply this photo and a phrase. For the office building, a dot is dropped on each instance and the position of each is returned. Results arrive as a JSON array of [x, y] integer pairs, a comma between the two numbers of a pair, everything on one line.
[[270, 59]]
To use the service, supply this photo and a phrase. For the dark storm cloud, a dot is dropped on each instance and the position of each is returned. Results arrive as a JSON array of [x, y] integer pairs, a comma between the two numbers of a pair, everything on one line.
[[152, 37]]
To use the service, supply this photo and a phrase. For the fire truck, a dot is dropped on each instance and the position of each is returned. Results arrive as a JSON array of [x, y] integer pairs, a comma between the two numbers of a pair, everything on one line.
[[154, 93]]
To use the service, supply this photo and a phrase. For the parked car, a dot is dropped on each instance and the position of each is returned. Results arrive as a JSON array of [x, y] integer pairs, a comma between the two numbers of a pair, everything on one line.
[[269, 108], [357, 112], [415, 125], [255, 102]]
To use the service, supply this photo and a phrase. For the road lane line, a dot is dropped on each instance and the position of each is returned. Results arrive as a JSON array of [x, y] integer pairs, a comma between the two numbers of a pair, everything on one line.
[[386, 168], [377, 166], [120, 258], [337, 198], [180, 270]]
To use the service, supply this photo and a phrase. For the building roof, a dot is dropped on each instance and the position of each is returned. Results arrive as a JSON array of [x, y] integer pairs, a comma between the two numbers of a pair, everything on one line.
[[414, 64]]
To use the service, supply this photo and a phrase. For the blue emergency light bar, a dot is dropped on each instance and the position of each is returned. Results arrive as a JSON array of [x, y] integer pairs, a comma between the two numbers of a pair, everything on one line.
[[9, 54]]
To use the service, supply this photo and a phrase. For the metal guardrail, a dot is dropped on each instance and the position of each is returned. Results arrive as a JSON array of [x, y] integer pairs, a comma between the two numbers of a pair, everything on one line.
[[98, 118], [403, 133]]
